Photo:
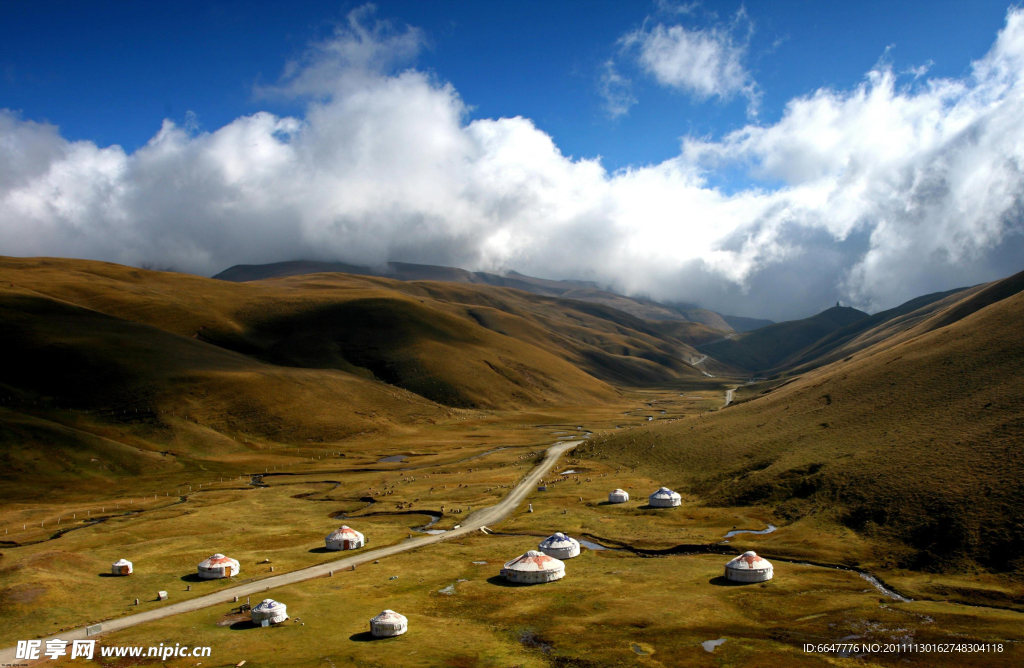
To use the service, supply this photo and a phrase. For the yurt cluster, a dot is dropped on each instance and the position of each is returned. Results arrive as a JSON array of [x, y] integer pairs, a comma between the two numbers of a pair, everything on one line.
[[387, 624], [748, 567], [545, 564]]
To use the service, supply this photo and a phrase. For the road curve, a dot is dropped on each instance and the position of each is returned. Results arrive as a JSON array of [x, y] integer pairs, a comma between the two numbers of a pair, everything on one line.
[[473, 522], [728, 396]]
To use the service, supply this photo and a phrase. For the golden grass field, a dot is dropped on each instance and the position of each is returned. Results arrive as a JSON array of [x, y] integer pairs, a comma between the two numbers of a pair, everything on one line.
[[615, 607], [902, 460]]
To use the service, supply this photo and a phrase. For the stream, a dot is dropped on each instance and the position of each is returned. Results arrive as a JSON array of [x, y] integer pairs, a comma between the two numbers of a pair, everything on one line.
[[736, 532]]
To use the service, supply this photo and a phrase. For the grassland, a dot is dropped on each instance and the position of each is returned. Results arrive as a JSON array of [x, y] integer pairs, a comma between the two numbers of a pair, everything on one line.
[[652, 601], [183, 416]]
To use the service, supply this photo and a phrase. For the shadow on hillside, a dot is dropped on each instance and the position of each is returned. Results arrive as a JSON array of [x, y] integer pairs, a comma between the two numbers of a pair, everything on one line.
[[243, 625], [192, 577], [110, 575], [324, 550]]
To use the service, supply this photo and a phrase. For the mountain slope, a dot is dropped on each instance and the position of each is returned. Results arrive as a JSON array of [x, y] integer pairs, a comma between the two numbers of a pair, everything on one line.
[[765, 348], [588, 291], [456, 343], [360, 328], [741, 324], [116, 372], [914, 444], [865, 332], [88, 395]]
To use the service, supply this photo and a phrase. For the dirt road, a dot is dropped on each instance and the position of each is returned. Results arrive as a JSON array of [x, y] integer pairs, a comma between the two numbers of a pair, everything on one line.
[[728, 396], [473, 522]]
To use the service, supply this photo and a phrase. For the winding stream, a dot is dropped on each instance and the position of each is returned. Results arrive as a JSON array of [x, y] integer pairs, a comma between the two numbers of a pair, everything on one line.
[[736, 532]]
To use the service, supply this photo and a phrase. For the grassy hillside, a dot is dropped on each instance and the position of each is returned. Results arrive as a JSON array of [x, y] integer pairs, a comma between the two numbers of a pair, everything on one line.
[[867, 331], [741, 324], [88, 396], [914, 442], [117, 363], [253, 319], [765, 348], [587, 291]]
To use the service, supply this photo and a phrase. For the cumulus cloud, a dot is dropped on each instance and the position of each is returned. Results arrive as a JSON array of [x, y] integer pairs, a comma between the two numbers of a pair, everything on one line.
[[704, 62], [871, 195]]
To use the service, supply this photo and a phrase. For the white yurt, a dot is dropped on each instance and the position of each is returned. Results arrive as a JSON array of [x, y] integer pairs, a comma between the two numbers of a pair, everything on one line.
[[269, 611], [664, 498], [218, 566], [618, 496], [121, 567], [344, 538], [560, 546], [388, 623], [532, 568], [748, 567]]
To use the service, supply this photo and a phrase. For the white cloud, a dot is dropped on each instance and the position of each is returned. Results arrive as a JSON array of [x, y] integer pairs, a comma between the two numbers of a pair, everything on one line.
[[616, 91], [879, 193], [704, 62], [360, 48]]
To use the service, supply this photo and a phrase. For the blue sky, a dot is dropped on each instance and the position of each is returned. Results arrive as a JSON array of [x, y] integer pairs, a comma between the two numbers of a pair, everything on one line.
[[760, 159], [111, 72]]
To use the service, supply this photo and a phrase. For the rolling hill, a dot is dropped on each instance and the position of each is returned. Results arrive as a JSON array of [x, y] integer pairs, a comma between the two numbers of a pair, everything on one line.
[[865, 332], [133, 364], [763, 349], [913, 442], [588, 291]]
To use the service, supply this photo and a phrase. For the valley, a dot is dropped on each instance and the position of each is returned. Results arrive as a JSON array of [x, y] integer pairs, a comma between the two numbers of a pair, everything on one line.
[[162, 418]]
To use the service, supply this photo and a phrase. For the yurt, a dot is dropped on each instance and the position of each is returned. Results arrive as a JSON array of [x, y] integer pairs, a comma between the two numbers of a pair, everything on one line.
[[560, 546], [618, 496], [218, 566], [344, 539], [664, 498], [268, 612], [748, 567], [121, 567], [532, 568], [388, 624]]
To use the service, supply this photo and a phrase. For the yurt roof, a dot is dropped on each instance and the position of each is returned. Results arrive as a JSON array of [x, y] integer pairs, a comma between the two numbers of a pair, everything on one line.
[[533, 561], [749, 561], [618, 491], [217, 560], [557, 540], [122, 562], [664, 492], [390, 616], [267, 604], [343, 531]]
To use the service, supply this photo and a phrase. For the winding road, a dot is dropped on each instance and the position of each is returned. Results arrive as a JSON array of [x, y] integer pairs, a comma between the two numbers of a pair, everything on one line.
[[474, 522]]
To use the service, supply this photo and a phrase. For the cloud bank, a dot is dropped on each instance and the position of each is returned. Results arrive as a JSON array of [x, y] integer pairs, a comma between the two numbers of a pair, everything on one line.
[[872, 195]]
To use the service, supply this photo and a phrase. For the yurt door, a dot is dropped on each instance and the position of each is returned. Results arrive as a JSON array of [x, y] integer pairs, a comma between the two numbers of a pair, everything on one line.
[[346, 545]]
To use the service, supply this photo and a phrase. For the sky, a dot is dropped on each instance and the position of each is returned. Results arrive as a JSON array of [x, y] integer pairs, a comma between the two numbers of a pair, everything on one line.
[[761, 159]]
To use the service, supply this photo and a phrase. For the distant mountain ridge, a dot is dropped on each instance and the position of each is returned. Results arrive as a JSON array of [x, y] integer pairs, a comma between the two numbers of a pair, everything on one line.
[[767, 347], [587, 291]]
